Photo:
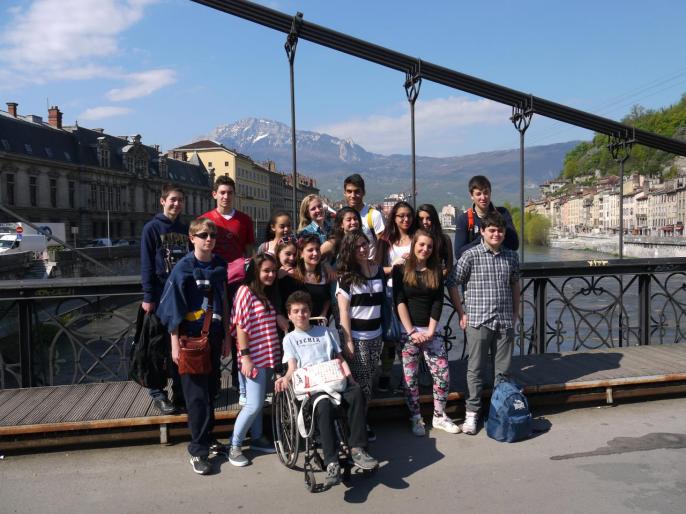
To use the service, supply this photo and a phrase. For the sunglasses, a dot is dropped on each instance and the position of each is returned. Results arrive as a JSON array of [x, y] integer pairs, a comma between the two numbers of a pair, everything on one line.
[[290, 238], [307, 239], [205, 235]]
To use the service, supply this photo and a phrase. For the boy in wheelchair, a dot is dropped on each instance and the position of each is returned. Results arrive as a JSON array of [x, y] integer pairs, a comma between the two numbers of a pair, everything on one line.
[[308, 345]]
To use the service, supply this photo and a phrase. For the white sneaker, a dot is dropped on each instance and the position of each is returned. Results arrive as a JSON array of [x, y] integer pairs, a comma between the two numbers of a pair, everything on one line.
[[418, 425], [445, 423], [469, 425]]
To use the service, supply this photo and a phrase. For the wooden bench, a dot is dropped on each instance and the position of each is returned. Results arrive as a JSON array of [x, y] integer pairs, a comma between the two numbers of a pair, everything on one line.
[[599, 375]]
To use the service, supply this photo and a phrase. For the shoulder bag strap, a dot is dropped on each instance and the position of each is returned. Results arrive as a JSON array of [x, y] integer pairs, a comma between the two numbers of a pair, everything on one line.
[[208, 314]]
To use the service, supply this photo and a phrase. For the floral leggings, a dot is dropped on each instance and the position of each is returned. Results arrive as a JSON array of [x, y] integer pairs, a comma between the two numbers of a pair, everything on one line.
[[364, 361], [437, 360]]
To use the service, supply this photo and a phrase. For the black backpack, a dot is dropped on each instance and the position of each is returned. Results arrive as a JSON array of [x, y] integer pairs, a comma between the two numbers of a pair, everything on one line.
[[150, 352]]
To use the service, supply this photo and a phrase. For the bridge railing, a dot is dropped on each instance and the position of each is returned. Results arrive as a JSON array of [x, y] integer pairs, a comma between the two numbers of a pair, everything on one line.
[[71, 331]]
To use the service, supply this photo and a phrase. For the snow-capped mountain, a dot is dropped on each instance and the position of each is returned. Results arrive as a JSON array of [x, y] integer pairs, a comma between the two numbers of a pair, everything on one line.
[[267, 139], [439, 180]]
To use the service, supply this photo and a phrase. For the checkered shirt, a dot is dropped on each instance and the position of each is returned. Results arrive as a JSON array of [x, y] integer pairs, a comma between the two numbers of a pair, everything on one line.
[[488, 279]]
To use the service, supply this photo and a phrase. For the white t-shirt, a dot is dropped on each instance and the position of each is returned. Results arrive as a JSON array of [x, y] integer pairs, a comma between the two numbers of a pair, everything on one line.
[[377, 223], [315, 346], [394, 252]]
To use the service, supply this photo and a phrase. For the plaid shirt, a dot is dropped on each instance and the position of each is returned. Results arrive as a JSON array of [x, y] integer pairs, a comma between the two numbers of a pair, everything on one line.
[[488, 279]]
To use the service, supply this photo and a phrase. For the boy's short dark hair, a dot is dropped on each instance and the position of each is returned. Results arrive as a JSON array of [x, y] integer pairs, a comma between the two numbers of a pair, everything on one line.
[[356, 180], [479, 182], [493, 219], [223, 180], [302, 297], [170, 188]]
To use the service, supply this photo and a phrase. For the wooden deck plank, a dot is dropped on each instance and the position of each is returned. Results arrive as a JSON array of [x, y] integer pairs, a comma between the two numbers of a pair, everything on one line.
[[5, 395], [58, 410], [85, 403], [142, 406], [533, 369], [674, 354], [651, 362], [107, 399], [45, 406], [596, 366], [122, 405], [14, 401], [29, 403]]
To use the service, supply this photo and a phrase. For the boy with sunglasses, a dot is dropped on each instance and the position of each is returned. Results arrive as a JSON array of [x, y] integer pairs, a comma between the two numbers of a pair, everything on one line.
[[164, 242], [198, 279]]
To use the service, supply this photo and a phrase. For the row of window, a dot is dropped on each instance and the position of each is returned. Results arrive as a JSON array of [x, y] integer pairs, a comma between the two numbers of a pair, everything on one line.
[[226, 164], [102, 196], [259, 193], [256, 213], [10, 191], [28, 148], [253, 175]]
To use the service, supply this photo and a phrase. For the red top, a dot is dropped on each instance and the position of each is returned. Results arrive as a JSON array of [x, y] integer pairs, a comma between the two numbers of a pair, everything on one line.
[[233, 236], [260, 324]]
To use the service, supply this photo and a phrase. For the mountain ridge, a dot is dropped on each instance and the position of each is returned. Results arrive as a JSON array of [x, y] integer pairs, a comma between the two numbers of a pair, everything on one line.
[[330, 159]]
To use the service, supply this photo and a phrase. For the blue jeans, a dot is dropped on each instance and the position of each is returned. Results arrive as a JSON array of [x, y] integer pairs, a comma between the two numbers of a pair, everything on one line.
[[250, 417]]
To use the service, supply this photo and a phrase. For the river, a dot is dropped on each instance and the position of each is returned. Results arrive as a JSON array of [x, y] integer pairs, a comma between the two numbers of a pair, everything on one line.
[[548, 254]]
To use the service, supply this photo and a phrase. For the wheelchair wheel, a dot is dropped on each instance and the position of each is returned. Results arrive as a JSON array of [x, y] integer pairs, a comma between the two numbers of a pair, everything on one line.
[[285, 427]]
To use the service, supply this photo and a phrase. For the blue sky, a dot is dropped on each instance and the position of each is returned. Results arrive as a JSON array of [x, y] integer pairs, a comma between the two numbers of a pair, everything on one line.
[[172, 70]]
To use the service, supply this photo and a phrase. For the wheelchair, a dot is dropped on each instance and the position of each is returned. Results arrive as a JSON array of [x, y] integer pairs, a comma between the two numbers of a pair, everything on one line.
[[289, 443]]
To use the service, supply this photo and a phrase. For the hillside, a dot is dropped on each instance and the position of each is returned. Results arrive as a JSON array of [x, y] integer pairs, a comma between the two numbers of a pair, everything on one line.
[[439, 180], [594, 155]]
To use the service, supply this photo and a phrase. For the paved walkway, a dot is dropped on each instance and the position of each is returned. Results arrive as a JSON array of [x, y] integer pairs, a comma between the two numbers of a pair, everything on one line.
[[624, 459]]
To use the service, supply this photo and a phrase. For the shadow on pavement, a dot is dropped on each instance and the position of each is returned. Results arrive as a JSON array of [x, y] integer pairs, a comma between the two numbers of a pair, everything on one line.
[[417, 454]]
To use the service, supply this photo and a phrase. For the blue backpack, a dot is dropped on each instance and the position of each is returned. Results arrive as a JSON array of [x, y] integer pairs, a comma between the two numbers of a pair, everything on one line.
[[509, 418]]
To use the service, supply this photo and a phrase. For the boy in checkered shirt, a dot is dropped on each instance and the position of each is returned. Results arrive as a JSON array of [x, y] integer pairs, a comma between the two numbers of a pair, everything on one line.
[[490, 273]]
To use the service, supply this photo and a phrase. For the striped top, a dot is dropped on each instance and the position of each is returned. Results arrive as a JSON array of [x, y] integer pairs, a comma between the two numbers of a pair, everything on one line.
[[260, 324], [365, 306]]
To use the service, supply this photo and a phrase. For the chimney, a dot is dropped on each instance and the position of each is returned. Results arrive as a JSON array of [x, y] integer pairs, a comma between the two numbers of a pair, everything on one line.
[[55, 117], [12, 108]]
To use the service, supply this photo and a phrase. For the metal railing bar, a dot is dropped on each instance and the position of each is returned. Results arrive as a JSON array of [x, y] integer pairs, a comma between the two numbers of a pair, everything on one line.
[[401, 62]]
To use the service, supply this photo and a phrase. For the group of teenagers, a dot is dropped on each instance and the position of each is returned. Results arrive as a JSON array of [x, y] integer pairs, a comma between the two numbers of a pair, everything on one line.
[[363, 272]]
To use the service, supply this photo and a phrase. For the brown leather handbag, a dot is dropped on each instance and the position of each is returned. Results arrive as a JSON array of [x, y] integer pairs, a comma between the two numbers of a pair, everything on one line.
[[194, 356]]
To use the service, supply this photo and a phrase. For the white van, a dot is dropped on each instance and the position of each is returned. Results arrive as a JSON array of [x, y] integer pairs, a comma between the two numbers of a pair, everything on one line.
[[11, 243]]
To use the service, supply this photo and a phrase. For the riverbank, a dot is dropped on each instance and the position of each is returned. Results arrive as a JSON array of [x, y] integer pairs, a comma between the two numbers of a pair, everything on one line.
[[643, 247]]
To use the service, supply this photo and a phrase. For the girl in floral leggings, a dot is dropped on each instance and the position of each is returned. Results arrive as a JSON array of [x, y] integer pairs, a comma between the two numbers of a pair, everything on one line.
[[418, 296]]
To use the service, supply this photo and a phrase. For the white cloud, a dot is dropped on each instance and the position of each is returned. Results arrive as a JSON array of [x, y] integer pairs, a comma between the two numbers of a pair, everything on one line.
[[105, 111], [439, 124], [67, 39], [142, 84]]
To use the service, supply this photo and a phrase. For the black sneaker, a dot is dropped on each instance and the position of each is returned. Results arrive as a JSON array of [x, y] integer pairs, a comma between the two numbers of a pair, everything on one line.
[[201, 465], [371, 435], [217, 448], [333, 475], [384, 384], [363, 460], [165, 406]]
